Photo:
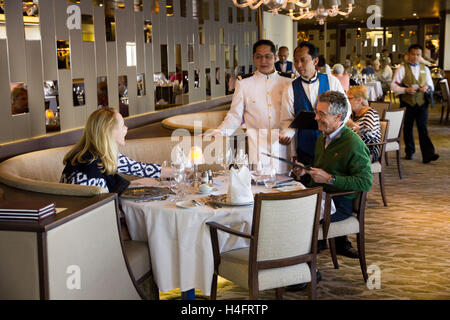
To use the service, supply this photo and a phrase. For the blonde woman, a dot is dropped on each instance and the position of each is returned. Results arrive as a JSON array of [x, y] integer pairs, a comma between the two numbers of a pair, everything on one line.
[[95, 160], [364, 120]]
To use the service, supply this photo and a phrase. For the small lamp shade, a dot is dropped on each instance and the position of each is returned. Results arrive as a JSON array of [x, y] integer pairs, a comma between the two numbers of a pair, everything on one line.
[[196, 155]]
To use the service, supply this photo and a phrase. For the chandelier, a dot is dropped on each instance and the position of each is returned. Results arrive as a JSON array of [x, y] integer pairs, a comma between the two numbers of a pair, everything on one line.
[[299, 9]]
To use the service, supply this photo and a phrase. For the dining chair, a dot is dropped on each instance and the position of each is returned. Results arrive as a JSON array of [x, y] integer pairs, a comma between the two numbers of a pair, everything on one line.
[[445, 99], [352, 225], [393, 136], [377, 166], [380, 107], [283, 244]]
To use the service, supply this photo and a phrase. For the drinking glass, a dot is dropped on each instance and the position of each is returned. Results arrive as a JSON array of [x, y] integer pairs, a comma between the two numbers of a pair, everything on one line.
[[270, 179]]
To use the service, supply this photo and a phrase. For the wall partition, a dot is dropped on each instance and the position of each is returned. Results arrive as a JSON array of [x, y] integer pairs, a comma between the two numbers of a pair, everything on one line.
[[62, 59]]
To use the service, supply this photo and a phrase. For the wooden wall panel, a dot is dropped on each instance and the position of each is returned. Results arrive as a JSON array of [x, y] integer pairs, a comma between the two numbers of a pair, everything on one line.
[[34, 61], [35, 83], [5, 110]]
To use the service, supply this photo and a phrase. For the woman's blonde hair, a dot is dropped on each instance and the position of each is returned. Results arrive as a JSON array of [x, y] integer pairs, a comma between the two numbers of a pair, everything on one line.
[[360, 92], [98, 140]]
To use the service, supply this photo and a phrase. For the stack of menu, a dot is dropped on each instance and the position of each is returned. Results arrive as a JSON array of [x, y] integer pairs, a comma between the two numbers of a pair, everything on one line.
[[29, 210]]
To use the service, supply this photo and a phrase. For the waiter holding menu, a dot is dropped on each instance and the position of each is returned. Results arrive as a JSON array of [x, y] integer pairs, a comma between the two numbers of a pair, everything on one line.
[[303, 95]]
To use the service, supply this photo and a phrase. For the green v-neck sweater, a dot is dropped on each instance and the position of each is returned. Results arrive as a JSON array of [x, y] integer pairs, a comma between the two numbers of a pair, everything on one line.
[[346, 157]]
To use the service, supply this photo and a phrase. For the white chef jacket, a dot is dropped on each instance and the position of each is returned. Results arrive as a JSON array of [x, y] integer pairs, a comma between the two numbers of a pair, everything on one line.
[[257, 101], [312, 92]]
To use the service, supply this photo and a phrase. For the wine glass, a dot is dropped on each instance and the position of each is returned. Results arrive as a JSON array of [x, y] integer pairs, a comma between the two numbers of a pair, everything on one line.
[[229, 158], [270, 179], [241, 158]]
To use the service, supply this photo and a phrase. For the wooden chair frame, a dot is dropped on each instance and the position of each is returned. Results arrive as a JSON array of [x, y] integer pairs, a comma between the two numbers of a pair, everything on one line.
[[445, 99], [359, 207], [398, 140], [386, 106], [254, 265], [381, 157]]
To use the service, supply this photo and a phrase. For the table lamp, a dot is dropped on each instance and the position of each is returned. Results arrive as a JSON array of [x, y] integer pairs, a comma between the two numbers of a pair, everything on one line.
[[196, 156]]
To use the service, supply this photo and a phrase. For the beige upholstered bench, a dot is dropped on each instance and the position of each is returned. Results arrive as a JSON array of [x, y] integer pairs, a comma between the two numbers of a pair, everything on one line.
[[40, 171]]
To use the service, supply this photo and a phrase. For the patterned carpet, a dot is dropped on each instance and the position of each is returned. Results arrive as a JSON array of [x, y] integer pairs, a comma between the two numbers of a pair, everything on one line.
[[408, 241]]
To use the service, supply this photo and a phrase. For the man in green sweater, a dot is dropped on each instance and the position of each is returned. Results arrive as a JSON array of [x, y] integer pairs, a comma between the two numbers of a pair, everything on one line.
[[341, 161]]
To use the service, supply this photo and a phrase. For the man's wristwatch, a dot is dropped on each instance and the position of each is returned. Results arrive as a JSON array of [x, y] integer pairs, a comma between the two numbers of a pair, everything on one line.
[[332, 179]]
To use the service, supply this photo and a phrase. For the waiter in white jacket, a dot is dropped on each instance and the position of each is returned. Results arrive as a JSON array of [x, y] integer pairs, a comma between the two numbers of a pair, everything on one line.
[[256, 103]]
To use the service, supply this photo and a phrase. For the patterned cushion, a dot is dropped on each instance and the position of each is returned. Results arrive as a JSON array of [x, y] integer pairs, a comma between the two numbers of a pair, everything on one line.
[[234, 267]]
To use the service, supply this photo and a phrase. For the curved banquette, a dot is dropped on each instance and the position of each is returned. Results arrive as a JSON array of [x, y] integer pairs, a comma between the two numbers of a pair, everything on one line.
[[111, 267], [207, 120]]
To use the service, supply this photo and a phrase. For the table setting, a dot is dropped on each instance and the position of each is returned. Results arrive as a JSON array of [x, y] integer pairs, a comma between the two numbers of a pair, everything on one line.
[[174, 225]]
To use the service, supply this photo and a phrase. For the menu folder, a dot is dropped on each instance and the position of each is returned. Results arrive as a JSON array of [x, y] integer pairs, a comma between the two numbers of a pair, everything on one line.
[[304, 120]]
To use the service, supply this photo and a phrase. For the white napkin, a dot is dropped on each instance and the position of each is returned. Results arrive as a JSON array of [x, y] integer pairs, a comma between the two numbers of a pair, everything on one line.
[[333, 207], [239, 186]]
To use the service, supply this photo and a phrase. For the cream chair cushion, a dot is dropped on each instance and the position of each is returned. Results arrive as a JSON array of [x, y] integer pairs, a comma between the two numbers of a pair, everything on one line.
[[234, 266], [375, 167], [392, 146], [341, 228]]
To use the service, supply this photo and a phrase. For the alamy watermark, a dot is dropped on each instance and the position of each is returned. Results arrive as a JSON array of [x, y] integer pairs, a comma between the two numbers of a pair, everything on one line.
[[73, 281], [374, 279]]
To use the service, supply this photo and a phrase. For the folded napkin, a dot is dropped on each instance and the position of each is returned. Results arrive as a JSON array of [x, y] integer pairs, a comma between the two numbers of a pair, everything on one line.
[[239, 186], [333, 207]]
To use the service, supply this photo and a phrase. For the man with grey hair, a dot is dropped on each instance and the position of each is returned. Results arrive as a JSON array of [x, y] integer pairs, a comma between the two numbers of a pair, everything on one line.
[[341, 161]]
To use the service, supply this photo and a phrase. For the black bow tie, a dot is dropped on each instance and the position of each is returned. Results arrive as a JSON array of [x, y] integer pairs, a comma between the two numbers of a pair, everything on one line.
[[310, 81]]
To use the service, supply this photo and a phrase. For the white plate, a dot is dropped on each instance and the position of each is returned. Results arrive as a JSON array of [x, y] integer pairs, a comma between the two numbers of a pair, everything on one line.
[[290, 188], [187, 204]]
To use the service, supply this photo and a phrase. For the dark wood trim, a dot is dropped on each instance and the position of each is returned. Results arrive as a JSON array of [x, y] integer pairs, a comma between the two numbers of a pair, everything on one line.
[[443, 16], [43, 265], [69, 137], [76, 206]]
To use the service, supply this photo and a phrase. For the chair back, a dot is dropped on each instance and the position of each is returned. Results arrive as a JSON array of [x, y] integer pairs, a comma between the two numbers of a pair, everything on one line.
[[444, 89], [285, 225], [395, 124], [380, 107]]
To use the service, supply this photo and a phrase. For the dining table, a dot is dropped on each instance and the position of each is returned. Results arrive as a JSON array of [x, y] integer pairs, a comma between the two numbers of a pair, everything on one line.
[[178, 237], [374, 90]]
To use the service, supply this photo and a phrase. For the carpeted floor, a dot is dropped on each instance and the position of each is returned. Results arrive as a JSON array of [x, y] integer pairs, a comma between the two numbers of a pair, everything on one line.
[[408, 241]]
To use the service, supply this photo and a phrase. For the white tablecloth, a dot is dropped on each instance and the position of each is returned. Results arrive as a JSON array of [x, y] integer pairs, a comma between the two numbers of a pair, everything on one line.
[[374, 89], [179, 240]]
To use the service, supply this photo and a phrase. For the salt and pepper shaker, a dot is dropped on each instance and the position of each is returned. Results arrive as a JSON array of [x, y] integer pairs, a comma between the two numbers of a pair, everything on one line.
[[205, 177], [210, 178]]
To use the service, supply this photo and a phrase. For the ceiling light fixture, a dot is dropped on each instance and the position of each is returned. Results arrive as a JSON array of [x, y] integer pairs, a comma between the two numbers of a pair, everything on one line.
[[299, 9]]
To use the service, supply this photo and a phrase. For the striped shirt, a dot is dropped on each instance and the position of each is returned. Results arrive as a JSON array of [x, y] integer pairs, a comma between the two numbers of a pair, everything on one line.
[[370, 131]]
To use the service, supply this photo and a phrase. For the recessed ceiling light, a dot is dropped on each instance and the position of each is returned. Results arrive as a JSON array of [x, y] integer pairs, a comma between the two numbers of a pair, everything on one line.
[[414, 14]]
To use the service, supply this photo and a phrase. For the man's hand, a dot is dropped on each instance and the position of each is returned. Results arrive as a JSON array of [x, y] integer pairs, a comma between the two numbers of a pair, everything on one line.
[[298, 171], [410, 90], [424, 88], [285, 140], [319, 176]]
